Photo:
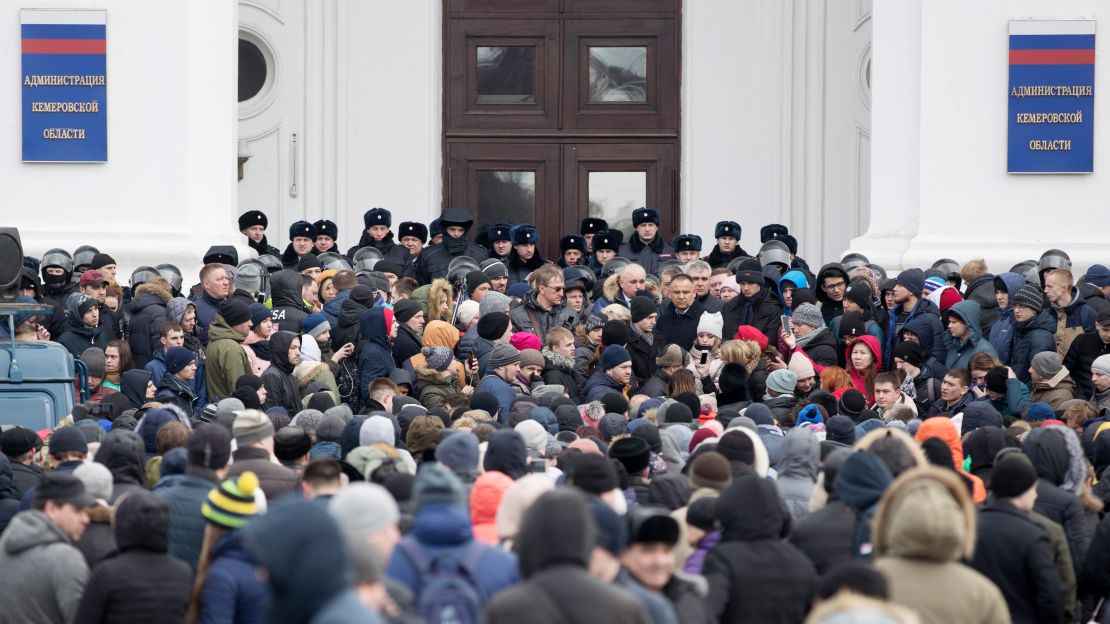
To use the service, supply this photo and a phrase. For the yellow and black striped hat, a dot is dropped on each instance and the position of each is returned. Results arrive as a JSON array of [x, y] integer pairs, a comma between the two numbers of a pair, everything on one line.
[[231, 504]]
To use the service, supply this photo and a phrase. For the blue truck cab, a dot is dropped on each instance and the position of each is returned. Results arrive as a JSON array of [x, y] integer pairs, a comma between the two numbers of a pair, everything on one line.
[[40, 393]]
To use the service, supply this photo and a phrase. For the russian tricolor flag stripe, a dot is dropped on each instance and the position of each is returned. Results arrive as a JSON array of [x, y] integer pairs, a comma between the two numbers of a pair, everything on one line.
[[1052, 57], [62, 32], [1052, 42]]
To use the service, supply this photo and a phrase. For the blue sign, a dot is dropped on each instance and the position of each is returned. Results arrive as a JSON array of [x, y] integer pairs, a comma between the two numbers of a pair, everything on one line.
[[1052, 102], [65, 93]]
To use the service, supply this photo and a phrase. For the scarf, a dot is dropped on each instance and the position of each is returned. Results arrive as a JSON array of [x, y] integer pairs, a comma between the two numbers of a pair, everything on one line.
[[805, 340], [648, 338]]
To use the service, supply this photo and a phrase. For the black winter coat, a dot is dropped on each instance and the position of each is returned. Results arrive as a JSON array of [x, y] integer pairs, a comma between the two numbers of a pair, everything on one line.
[[405, 345], [1048, 452], [679, 329], [761, 311], [9, 499], [142, 583], [1030, 338], [288, 307], [823, 349], [643, 355], [559, 369], [274, 480], [1084, 350], [281, 388], [981, 291], [1094, 573], [755, 576], [77, 338], [434, 260], [825, 536], [148, 312], [1015, 554]]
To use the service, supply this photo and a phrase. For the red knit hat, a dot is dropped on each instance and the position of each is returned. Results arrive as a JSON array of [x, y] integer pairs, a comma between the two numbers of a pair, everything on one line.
[[747, 332], [948, 298], [700, 436]]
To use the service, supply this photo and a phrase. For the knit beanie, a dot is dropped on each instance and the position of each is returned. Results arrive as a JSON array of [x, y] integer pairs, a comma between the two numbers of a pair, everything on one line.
[[531, 357], [711, 470], [405, 309], [459, 452], [851, 404], [438, 358], [502, 355], [672, 355], [329, 428], [912, 280], [612, 425], [613, 356], [493, 302], [801, 366], [859, 293], [737, 446], [596, 321], [591, 472], [316, 325], [259, 313], [97, 480], [234, 311], [852, 325], [932, 284], [701, 435], [643, 307], [808, 314], [177, 358], [291, 443], [614, 333], [468, 311], [614, 403], [633, 453], [810, 414], [782, 381], [535, 436], [251, 426], [437, 484], [909, 352], [841, 429], [1030, 297], [1013, 475], [525, 340], [93, 357], [363, 508], [1047, 364], [1097, 275], [493, 326], [712, 323], [231, 504], [1101, 364], [474, 279]]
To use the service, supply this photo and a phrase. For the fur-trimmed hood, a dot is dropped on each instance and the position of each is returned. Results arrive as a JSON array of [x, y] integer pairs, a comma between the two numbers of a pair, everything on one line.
[[925, 514], [557, 360], [611, 287], [305, 372], [158, 290], [428, 374]]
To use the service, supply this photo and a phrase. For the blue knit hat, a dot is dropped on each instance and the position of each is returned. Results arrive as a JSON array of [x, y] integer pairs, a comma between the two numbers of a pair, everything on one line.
[[1098, 275], [259, 313], [809, 414], [314, 324], [614, 356], [177, 358]]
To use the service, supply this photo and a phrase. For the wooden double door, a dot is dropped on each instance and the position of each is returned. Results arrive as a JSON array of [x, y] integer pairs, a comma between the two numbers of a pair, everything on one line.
[[555, 110]]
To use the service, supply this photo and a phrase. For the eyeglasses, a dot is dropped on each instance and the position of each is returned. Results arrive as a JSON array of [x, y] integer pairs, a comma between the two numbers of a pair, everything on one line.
[[555, 288], [835, 286]]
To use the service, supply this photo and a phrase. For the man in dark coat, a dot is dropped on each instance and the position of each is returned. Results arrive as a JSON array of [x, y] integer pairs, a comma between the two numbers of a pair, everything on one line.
[[679, 318], [281, 387], [82, 329], [253, 224], [909, 306], [286, 301], [1034, 330], [377, 328], [644, 345], [755, 305], [1048, 451], [832, 282], [649, 557], [18, 445], [1012, 551], [755, 576], [646, 246], [524, 257], [1084, 350], [728, 246], [143, 583], [302, 242], [435, 259], [554, 545], [376, 234], [148, 312], [254, 436], [544, 307], [410, 324], [209, 449]]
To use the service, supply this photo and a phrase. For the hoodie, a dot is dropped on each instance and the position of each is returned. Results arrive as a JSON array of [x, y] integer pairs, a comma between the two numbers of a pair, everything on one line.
[[797, 470], [797, 279], [123, 453], [897, 320], [960, 351], [305, 588], [830, 309], [375, 359], [42, 573], [285, 297], [281, 387], [1030, 338], [754, 575], [858, 380], [506, 452], [133, 386], [75, 336], [860, 483], [1047, 448], [1002, 332]]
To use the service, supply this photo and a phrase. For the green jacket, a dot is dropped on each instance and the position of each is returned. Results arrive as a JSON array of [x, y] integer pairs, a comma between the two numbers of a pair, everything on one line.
[[225, 360], [435, 385]]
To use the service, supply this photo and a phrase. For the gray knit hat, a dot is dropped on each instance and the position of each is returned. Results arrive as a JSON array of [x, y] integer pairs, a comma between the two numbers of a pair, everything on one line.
[[808, 314], [1030, 297], [503, 355], [251, 426], [1101, 364], [330, 428], [438, 358], [363, 508], [493, 302], [1047, 364]]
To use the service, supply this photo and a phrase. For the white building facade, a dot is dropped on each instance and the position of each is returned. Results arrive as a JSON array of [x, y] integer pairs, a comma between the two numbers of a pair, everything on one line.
[[878, 129]]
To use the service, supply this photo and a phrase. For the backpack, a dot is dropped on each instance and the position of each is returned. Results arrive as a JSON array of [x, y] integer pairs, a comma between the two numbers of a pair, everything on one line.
[[449, 590]]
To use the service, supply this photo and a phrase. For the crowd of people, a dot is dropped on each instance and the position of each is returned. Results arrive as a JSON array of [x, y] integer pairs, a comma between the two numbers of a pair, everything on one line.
[[441, 425]]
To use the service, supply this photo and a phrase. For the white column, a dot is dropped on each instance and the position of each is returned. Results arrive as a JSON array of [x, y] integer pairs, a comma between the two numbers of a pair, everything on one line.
[[895, 131]]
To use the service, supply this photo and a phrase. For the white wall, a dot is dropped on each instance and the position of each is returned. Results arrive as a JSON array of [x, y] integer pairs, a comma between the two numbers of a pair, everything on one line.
[[940, 186], [167, 191]]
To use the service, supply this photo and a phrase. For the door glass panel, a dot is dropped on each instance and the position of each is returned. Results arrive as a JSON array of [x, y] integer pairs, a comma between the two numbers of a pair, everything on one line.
[[615, 194], [505, 74], [507, 196], [618, 74]]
